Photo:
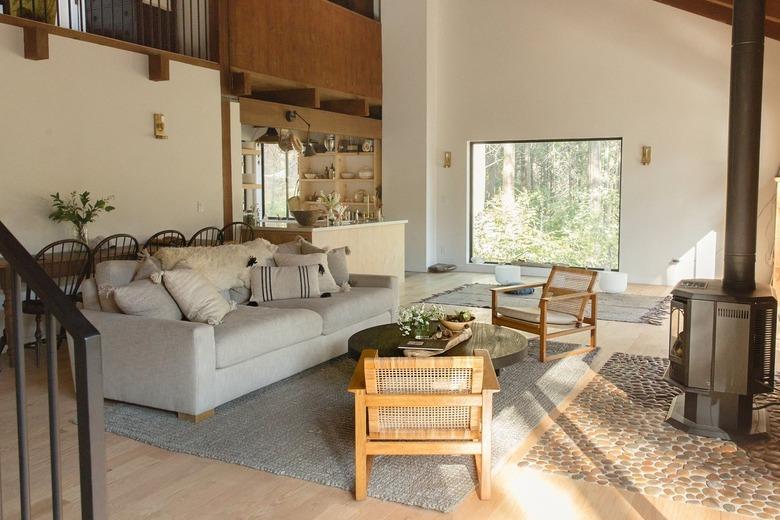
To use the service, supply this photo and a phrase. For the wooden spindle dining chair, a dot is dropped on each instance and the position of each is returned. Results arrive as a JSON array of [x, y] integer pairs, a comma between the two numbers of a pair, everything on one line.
[[115, 247], [423, 406], [167, 238], [237, 233], [566, 296], [206, 237], [67, 262]]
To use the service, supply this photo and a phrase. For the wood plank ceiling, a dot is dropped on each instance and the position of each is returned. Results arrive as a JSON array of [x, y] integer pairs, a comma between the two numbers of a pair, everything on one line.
[[721, 10]]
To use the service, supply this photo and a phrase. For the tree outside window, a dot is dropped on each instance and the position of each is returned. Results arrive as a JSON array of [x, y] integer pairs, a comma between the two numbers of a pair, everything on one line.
[[546, 202]]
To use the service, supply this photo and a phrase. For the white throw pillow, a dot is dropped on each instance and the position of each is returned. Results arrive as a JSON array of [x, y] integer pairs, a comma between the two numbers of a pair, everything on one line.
[[284, 283], [198, 298], [326, 281], [145, 298]]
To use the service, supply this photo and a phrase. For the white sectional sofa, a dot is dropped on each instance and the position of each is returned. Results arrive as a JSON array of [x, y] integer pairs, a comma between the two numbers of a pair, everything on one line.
[[191, 368]]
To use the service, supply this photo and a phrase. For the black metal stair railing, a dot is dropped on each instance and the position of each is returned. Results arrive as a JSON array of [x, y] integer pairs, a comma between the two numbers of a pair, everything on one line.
[[180, 26], [88, 379]]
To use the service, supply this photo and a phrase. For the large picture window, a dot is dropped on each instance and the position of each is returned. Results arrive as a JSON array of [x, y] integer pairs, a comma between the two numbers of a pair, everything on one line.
[[546, 202]]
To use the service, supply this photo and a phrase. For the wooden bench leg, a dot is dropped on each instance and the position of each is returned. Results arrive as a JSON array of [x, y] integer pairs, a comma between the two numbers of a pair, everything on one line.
[[484, 466], [361, 459]]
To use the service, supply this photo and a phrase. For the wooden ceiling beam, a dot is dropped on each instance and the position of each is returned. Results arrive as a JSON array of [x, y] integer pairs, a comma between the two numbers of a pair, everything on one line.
[[721, 11], [266, 113], [159, 67], [36, 43], [353, 107], [300, 97]]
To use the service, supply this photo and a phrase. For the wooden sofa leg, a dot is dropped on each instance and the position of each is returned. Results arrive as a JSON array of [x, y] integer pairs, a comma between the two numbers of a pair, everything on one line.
[[361, 459], [195, 418]]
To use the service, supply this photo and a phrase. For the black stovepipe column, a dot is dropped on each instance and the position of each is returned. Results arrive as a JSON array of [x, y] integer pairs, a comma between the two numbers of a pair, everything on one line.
[[747, 71]]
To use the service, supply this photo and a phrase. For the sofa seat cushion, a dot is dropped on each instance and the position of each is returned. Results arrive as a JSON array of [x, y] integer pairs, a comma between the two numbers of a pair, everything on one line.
[[532, 315], [343, 309], [248, 332]]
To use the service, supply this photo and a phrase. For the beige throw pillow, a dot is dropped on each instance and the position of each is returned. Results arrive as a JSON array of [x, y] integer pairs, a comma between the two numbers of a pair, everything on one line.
[[326, 281], [145, 298], [284, 283], [198, 298], [337, 259]]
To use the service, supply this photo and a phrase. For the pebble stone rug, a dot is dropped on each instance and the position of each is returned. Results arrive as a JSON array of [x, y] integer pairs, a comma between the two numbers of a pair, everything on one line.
[[614, 434]]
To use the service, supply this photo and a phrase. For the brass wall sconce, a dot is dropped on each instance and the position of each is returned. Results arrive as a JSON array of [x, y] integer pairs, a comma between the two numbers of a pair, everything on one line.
[[159, 127], [447, 159], [647, 155]]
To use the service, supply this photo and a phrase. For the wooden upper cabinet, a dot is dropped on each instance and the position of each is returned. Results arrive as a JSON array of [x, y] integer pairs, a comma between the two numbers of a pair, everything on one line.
[[312, 42]]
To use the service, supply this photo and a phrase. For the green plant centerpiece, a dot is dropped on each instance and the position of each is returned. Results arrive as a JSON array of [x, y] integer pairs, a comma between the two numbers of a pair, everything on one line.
[[416, 320], [79, 210], [332, 203]]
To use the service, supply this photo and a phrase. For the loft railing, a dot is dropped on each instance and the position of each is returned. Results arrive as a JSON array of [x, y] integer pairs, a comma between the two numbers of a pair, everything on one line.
[[179, 26], [89, 383]]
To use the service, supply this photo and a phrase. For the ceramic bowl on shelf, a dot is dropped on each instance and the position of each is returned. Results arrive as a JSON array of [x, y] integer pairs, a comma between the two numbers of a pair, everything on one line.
[[310, 175], [347, 175], [366, 174], [306, 217]]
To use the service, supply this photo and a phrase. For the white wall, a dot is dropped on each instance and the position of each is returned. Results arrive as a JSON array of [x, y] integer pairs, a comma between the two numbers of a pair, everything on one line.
[[407, 192], [82, 120], [652, 74]]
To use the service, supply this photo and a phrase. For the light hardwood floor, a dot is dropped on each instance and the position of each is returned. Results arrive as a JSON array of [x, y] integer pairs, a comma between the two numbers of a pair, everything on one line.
[[148, 482]]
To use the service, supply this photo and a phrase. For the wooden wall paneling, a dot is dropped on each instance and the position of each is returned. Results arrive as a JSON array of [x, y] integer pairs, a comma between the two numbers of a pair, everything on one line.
[[36, 43], [159, 67], [355, 107], [302, 97], [314, 42], [227, 164], [265, 113]]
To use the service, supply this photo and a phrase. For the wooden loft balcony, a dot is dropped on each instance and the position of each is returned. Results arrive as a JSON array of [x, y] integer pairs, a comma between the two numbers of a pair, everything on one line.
[[179, 30], [311, 53]]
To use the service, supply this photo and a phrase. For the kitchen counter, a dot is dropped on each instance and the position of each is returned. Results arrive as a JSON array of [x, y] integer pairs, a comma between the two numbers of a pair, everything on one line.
[[376, 247]]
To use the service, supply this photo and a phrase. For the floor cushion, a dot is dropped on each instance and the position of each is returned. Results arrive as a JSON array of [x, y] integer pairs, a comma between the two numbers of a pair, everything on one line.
[[343, 309], [532, 315], [248, 332]]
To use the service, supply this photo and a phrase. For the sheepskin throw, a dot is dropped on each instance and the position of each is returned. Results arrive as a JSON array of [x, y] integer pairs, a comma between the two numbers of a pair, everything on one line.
[[224, 266]]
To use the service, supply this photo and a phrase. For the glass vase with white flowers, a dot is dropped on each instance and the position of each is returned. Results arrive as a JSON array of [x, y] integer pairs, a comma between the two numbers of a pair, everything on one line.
[[416, 320]]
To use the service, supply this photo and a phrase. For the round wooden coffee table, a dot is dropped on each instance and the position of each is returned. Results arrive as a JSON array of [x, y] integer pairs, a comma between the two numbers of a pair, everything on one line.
[[506, 346]]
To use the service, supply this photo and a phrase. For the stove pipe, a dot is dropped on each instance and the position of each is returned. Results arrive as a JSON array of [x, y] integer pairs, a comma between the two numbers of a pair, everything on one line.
[[747, 71]]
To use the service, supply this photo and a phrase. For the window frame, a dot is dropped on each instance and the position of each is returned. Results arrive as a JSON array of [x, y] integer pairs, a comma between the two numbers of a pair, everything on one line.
[[261, 160], [470, 180]]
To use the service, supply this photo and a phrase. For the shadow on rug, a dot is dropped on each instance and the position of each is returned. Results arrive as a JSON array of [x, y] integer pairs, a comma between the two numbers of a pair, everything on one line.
[[625, 307], [303, 427], [614, 434]]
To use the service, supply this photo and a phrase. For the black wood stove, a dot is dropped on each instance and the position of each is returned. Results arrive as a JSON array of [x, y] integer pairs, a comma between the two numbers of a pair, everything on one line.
[[722, 338]]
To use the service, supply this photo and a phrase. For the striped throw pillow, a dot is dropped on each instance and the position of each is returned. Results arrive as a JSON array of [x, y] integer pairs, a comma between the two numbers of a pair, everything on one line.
[[270, 283]]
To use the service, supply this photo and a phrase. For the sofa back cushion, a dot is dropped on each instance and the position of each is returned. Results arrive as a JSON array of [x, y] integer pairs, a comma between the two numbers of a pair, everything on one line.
[[284, 283]]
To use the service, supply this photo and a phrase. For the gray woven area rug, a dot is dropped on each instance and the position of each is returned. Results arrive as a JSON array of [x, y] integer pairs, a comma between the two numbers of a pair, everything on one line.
[[625, 307], [303, 427]]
